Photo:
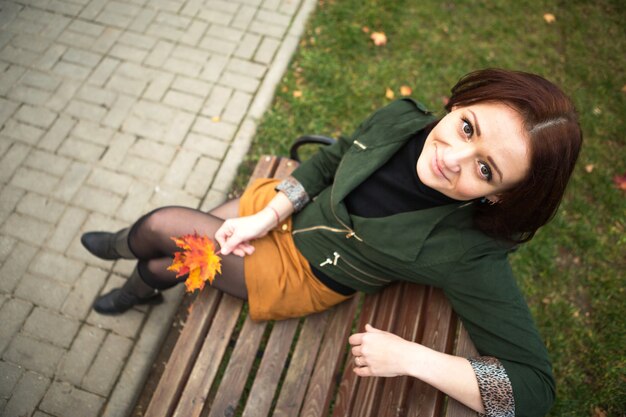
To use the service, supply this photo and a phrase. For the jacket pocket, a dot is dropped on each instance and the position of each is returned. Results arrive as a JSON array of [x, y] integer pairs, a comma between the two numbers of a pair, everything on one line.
[[336, 260]]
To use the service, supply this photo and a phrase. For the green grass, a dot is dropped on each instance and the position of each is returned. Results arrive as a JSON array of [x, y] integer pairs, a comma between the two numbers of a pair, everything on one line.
[[572, 272]]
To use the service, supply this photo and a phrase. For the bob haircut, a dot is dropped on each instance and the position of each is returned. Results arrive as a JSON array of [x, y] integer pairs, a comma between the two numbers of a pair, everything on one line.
[[551, 123]]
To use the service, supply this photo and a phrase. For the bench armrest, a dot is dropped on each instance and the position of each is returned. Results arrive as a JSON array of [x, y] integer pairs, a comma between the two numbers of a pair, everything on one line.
[[308, 139]]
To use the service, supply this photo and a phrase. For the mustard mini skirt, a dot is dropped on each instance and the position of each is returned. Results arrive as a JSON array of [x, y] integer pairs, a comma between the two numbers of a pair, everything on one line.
[[279, 279]]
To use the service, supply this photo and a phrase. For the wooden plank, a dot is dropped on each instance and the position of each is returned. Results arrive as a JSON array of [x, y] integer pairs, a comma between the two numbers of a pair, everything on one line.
[[321, 387], [285, 167], [183, 355], [369, 394], [236, 373], [195, 393], [344, 400], [464, 348], [302, 361], [410, 327], [264, 168], [424, 400], [270, 369]]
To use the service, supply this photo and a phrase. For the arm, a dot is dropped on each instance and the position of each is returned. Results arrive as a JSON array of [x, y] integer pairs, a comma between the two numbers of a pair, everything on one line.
[[385, 354]]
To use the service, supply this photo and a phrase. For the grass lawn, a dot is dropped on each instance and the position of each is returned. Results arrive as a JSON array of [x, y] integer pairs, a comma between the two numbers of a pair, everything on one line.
[[573, 271]]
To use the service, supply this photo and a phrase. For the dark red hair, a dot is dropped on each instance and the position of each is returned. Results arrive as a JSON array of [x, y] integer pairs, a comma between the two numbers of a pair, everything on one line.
[[551, 123]]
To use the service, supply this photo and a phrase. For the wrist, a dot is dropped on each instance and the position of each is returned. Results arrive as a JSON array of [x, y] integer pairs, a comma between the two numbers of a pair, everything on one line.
[[269, 217]]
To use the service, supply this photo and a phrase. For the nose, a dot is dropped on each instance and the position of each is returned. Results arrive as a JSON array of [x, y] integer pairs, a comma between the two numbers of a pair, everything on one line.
[[454, 157]]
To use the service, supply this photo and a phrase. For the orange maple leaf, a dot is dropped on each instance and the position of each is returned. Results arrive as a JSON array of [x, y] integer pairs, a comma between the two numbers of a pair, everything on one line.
[[379, 38], [389, 93], [405, 90], [197, 260], [620, 181], [549, 18]]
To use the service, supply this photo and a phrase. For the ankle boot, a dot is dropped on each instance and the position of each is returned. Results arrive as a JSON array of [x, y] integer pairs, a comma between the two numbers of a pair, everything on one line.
[[134, 291], [106, 245]]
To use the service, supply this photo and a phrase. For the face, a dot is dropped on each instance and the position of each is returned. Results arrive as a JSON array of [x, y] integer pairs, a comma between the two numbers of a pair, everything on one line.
[[476, 151]]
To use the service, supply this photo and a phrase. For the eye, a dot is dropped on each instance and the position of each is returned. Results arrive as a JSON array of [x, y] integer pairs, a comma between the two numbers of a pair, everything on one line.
[[485, 171], [467, 128]]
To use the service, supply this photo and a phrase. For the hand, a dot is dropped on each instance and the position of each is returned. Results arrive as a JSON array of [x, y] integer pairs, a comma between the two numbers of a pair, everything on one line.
[[234, 235], [380, 353]]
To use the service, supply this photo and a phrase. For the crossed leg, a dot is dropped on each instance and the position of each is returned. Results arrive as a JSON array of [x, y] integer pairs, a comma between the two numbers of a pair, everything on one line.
[[150, 240]]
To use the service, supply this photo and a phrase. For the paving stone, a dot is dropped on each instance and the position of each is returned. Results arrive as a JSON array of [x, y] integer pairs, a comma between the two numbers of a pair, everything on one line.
[[108, 363], [217, 101], [117, 149], [159, 54], [99, 200], [153, 150], [73, 71], [126, 325], [26, 228], [183, 101], [34, 354], [183, 67], [178, 127], [51, 327], [110, 181], [12, 159], [42, 80], [237, 107], [220, 130], [114, 19], [81, 150], [206, 145], [136, 202], [218, 46], [40, 207], [92, 9], [9, 375], [18, 56], [213, 199], [192, 86], [103, 71], [34, 180], [92, 132], [71, 181], [248, 46], [78, 40], [194, 33], [171, 196], [95, 95], [22, 132], [116, 116], [214, 68], [79, 301], [27, 394], [126, 85], [142, 20], [48, 162], [7, 244], [62, 399], [216, 16], [15, 265], [243, 18], [66, 229], [218, 31], [42, 414], [13, 314], [83, 110], [142, 168], [202, 176], [10, 78], [128, 53], [42, 291], [82, 57], [181, 167], [266, 50], [7, 108], [158, 87], [57, 133], [106, 40], [56, 266], [77, 360], [239, 82], [63, 95], [87, 28], [29, 95]]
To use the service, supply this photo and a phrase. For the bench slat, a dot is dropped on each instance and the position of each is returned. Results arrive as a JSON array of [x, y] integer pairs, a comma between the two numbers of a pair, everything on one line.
[[265, 168], [270, 369], [183, 356], [234, 379], [302, 362], [412, 309], [425, 400], [321, 387], [194, 395]]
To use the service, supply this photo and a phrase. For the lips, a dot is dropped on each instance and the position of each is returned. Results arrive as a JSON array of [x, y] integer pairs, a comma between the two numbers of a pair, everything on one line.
[[436, 167]]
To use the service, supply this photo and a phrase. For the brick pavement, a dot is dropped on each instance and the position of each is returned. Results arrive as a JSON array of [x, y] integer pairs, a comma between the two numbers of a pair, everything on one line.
[[109, 109]]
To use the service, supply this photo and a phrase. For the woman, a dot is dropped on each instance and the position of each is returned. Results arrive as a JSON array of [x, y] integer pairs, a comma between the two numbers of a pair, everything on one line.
[[409, 197]]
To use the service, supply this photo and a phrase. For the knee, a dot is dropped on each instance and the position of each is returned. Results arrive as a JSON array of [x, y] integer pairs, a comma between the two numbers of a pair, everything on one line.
[[156, 220]]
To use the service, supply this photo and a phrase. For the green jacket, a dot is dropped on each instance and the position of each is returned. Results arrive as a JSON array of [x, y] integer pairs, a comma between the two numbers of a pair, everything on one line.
[[437, 246]]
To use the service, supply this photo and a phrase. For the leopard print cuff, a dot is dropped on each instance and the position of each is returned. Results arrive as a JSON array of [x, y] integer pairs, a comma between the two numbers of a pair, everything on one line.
[[294, 191], [495, 387]]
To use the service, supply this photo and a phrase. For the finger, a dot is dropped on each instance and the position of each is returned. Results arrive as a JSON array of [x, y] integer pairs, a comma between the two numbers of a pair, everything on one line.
[[356, 339], [363, 371], [371, 329], [356, 350]]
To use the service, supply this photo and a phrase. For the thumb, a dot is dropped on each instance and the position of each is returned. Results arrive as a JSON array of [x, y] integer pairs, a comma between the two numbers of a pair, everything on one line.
[[371, 329]]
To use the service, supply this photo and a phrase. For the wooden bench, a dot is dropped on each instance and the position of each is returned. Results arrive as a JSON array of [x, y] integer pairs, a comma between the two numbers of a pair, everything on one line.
[[224, 364]]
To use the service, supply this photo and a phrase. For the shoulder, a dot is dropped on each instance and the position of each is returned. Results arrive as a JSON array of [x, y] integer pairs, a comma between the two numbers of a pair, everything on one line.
[[405, 108]]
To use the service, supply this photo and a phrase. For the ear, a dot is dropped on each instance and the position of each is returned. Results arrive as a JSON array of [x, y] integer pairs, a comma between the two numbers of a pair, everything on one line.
[[493, 198]]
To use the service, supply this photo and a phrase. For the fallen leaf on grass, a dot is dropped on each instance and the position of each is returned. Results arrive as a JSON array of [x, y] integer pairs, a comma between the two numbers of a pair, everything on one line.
[[598, 412], [389, 93], [549, 18], [589, 168], [297, 94], [620, 181], [624, 89], [379, 38], [365, 29], [405, 90]]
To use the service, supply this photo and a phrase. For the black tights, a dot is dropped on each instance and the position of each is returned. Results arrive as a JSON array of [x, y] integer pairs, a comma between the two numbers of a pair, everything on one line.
[[150, 240]]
